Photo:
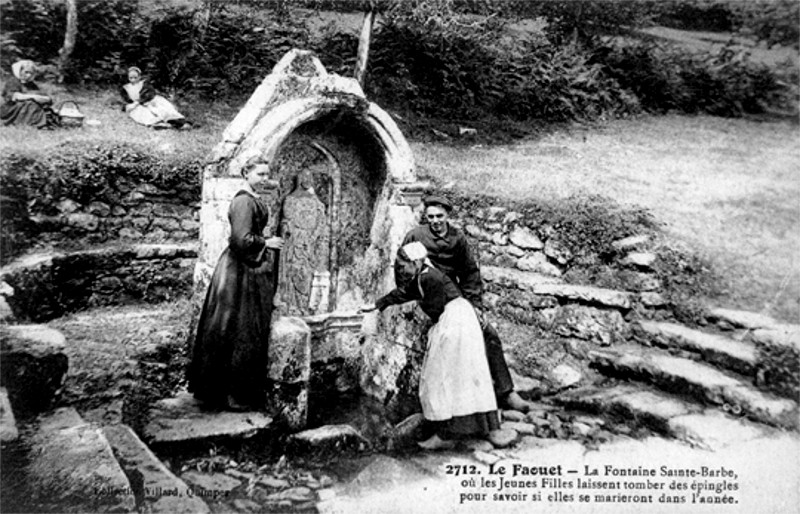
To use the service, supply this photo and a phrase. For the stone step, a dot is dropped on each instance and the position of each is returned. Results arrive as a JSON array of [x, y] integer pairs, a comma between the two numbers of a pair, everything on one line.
[[770, 355], [155, 487], [666, 414], [181, 420], [731, 318], [548, 286], [738, 356], [34, 364], [695, 379], [72, 468], [779, 353], [327, 439]]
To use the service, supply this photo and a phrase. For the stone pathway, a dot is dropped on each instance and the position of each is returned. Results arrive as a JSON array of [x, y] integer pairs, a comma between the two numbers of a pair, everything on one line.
[[181, 420]]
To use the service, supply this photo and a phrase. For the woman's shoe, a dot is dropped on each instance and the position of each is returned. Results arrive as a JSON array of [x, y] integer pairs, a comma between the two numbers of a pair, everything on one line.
[[514, 401], [436, 443]]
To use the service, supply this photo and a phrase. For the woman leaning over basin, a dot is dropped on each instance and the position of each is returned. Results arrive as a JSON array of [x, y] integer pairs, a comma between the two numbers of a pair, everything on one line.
[[146, 107], [23, 103], [455, 387], [229, 357]]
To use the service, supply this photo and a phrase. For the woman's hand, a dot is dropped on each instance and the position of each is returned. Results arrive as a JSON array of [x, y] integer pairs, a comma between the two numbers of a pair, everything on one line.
[[275, 242], [368, 307]]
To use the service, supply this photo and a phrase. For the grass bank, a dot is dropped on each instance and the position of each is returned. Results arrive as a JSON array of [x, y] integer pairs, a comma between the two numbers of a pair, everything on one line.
[[725, 187]]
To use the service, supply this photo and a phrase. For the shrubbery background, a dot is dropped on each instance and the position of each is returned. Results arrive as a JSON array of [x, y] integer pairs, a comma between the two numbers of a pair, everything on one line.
[[443, 58]]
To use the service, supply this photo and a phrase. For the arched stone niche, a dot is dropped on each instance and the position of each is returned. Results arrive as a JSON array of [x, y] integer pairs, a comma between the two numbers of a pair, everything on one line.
[[343, 196]]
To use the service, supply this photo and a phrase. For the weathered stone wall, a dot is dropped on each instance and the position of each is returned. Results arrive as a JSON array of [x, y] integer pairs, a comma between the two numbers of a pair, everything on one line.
[[48, 286], [132, 212], [546, 320]]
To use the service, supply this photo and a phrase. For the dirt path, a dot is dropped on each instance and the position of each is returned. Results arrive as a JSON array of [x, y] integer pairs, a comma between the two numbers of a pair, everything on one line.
[[726, 187]]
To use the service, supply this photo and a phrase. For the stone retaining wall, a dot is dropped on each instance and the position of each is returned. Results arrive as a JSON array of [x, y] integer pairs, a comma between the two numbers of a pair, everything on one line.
[[139, 213], [43, 287]]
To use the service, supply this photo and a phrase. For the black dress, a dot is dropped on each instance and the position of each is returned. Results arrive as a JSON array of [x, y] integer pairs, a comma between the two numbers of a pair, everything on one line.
[[24, 112], [229, 357]]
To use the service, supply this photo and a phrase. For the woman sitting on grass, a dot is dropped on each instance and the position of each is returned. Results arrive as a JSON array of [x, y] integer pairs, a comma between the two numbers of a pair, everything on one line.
[[147, 108], [22, 102], [455, 387]]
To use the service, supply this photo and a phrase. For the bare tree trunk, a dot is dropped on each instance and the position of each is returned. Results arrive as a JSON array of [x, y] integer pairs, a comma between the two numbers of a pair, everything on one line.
[[69, 38], [360, 71], [576, 31]]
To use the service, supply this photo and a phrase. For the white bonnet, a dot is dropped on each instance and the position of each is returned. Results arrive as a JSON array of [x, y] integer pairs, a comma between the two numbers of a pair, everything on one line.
[[415, 251]]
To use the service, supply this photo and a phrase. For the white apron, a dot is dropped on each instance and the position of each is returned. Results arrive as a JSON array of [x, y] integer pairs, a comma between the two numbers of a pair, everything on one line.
[[455, 378]]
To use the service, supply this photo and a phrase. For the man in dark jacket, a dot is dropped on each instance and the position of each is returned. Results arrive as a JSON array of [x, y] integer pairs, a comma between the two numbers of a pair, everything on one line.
[[449, 251]]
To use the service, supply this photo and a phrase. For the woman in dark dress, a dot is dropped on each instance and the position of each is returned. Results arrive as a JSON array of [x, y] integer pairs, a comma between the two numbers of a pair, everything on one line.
[[455, 387], [229, 357], [23, 104]]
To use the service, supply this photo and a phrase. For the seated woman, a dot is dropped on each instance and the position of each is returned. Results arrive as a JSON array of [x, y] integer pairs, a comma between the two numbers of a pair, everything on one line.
[[455, 387], [145, 107], [23, 104]]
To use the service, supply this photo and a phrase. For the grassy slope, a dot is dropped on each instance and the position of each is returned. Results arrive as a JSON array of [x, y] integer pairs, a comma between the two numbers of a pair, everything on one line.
[[116, 126], [727, 187]]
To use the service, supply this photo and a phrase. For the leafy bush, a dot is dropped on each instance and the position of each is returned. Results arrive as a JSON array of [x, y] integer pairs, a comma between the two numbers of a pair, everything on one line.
[[587, 20], [213, 53], [32, 30], [708, 15], [425, 58], [14, 223], [775, 22], [111, 35], [434, 62], [428, 58], [337, 51], [88, 172], [558, 83], [227, 53], [724, 82]]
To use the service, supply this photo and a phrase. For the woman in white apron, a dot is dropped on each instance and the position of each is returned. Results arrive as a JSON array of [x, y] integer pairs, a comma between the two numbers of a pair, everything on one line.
[[455, 385], [146, 107]]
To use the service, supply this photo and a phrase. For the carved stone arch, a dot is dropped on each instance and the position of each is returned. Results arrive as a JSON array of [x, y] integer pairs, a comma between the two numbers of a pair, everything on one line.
[[271, 131]]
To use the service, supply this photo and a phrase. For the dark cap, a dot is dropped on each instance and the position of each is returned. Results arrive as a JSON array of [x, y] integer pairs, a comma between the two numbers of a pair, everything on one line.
[[439, 201]]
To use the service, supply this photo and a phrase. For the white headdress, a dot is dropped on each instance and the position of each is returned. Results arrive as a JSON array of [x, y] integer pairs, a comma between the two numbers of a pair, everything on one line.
[[18, 66], [415, 251]]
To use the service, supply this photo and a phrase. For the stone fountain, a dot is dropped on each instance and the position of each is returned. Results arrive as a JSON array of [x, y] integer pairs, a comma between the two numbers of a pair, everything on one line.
[[343, 196]]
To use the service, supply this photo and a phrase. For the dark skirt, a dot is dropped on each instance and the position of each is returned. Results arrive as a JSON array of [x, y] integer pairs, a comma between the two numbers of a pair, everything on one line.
[[26, 112], [471, 425], [229, 357]]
